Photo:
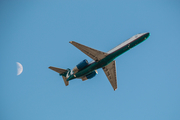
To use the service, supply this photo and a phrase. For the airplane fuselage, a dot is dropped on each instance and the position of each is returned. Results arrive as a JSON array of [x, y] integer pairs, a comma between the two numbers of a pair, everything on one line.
[[111, 55]]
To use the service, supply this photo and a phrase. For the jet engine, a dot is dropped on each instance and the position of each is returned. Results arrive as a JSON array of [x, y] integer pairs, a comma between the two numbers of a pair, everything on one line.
[[90, 75], [80, 66]]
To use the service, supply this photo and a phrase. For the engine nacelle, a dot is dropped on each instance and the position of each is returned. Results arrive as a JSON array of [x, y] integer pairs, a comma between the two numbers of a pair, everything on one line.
[[80, 66], [90, 75]]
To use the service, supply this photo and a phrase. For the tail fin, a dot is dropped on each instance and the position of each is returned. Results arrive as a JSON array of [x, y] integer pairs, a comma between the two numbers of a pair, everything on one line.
[[61, 72], [65, 80]]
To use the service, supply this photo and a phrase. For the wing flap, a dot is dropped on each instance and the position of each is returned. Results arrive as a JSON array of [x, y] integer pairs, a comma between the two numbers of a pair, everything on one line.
[[110, 71], [92, 53]]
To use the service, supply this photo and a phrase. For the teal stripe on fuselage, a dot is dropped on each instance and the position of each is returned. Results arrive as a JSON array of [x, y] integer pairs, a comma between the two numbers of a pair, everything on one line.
[[108, 59]]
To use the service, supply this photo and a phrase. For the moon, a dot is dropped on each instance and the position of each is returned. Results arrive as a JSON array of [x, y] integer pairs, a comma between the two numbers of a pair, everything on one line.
[[19, 68]]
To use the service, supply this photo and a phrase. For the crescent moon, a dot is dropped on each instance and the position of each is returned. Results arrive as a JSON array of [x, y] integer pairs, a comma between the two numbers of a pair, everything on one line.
[[19, 68]]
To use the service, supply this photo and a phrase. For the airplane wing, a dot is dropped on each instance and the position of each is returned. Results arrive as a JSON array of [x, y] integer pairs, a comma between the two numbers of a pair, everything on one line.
[[92, 53], [110, 71]]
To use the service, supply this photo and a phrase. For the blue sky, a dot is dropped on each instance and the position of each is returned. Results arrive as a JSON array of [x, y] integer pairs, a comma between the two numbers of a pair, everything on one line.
[[37, 34]]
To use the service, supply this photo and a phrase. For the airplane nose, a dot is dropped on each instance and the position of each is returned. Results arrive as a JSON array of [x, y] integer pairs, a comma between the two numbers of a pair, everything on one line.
[[147, 35]]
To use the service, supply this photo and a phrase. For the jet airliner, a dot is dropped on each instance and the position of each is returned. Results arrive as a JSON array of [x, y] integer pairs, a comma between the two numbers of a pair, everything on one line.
[[104, 60]]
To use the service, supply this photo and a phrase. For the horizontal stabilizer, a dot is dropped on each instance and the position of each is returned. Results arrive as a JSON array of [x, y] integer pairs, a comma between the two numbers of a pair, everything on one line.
[[62, 72], [59, 70]]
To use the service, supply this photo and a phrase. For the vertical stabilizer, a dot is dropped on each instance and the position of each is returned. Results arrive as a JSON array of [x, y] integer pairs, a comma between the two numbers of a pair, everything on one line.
[[65, 80], [64, 73]]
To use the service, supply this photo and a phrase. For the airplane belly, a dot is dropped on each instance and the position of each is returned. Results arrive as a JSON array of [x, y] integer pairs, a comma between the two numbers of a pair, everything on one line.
[[86, 70]]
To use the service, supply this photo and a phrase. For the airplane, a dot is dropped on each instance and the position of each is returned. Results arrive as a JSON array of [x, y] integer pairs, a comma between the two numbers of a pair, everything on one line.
[[104, 60]]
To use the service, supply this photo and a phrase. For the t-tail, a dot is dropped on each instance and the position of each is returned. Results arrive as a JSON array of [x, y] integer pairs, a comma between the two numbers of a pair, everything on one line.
[[62, 72]]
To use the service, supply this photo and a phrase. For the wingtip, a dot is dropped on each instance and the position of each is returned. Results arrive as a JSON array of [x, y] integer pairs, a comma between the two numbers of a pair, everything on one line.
[[70, 41]]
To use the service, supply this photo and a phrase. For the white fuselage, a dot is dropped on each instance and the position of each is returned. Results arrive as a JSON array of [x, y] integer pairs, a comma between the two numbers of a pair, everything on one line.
[[126, 42], [130, 40]]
